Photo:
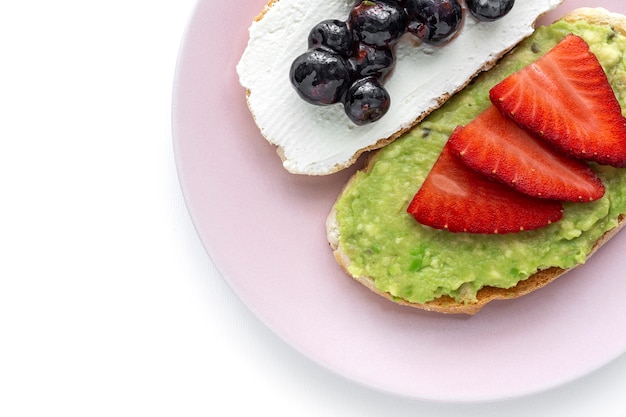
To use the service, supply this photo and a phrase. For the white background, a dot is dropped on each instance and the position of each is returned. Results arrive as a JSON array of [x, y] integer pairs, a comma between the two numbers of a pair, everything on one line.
[[108, 303]]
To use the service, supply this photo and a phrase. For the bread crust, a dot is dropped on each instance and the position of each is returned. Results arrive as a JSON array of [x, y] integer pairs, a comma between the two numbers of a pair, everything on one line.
[[446, 304]]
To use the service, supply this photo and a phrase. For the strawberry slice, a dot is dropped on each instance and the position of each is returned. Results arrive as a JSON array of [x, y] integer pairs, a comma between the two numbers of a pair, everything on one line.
[[459, 199], [495, 146], [565, 97]]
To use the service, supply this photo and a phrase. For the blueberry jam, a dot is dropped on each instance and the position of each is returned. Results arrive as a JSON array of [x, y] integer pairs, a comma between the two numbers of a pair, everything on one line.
[[366, 101], [348, 60], [369, 61], [489, 10], [320, 76], [434, 22], [334, 35], [378, 23]]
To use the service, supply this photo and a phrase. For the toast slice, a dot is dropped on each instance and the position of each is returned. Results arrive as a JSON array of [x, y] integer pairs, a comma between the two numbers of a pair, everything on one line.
[[321, 140], [544, 275]]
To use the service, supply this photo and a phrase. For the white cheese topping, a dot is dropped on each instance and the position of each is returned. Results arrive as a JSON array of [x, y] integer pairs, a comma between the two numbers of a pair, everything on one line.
[[319, 140]]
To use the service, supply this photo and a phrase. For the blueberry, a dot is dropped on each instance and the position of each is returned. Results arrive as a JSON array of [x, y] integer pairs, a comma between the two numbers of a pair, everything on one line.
[[371, 61], [332, 34], [366, 101], [489, 10], [378, 22], [320, 76], [434, 22]]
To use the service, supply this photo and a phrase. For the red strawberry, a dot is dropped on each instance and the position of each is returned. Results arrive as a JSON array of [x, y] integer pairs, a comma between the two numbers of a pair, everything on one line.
[[565, 98], [459, 199], [495, 146]]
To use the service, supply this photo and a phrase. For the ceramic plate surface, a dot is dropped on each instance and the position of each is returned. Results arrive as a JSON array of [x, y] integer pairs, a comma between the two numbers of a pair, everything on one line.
[[264, 230]]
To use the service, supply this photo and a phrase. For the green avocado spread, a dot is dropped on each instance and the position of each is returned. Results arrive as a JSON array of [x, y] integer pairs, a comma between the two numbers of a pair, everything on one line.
[[417, 263]]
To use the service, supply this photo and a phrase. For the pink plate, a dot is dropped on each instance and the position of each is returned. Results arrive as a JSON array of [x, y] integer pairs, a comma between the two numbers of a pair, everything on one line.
[[264, 229]]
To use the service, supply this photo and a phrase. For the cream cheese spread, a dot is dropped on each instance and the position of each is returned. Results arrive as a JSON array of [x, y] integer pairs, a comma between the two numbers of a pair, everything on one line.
[[320, 140]]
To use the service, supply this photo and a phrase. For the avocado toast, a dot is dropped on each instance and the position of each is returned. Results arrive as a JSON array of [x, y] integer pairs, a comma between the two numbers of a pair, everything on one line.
[[378, 243]]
